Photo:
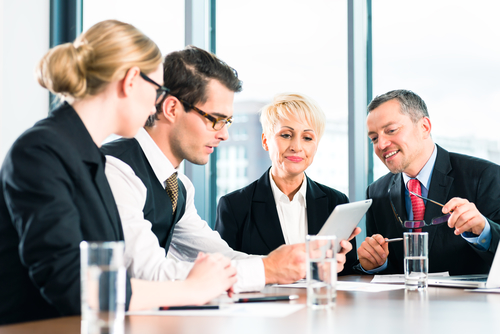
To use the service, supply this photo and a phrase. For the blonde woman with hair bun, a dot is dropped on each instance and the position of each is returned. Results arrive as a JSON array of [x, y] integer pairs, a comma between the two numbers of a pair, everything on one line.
[[284, 205], [53, 190]]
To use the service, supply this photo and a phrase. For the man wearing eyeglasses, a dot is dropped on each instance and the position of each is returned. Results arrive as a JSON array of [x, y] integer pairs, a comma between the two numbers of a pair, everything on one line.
[[456, 196], [156, 204]]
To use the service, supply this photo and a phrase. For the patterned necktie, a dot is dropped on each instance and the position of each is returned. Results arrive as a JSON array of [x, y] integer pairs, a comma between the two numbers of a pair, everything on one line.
[[172, 189], [417, 204]]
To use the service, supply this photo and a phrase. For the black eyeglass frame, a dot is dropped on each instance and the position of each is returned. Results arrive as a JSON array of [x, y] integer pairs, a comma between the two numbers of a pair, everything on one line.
[[417, 223], [215, 120], [161, 91]]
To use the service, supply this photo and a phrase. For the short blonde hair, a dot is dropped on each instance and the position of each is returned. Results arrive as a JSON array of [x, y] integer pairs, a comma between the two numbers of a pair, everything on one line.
[[101, 55], [287, 105]]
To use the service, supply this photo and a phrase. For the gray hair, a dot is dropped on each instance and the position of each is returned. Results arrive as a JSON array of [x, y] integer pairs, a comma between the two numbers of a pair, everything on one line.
[[411, 104]]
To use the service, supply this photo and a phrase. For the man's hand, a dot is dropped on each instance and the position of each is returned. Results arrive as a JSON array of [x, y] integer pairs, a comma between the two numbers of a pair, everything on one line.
[[465, 216], [373, 252], [286, 264], [346, 248]]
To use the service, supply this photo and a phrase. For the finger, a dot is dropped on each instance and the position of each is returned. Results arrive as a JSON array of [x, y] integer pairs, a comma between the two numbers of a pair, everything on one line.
[[231, 271], [470, 222], [375, 256], [224, 261], [460, 213], [380, 248], [367, 256], [341, 258], [201, 256], [354, 233], [453, 203], [346, 247], [217, 257]]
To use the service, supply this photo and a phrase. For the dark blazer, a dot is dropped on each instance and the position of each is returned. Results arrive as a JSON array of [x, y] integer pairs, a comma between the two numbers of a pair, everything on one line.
[[248, 219], [454, 175], [54, 194]]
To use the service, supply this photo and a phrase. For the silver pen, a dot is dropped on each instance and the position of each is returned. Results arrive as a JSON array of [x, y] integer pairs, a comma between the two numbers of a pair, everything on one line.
[[392, 240]]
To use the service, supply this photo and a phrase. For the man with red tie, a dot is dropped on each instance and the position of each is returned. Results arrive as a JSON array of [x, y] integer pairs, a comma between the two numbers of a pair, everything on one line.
[[422, 176]]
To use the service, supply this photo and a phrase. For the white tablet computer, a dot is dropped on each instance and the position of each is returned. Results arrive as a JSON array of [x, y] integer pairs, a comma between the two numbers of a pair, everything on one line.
[[344, 218]]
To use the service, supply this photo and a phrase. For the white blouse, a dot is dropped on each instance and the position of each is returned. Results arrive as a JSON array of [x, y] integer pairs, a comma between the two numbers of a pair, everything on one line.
[[292, 214]]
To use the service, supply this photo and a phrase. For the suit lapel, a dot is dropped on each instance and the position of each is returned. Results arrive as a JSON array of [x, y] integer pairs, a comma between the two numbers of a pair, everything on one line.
[[439, 189], [399, 200], [317, 207], [93, 159], [107, 198], [265, 215]]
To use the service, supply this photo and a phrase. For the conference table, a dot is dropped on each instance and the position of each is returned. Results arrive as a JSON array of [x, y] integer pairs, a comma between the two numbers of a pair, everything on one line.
[[437, 310]]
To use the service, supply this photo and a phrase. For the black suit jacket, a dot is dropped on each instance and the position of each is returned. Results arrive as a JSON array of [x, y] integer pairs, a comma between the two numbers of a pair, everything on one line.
[[454, 175], [248, 219], [54, 194]]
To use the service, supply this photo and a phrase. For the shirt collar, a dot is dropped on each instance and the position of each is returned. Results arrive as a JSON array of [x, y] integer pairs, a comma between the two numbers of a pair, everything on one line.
[[162, 167], [424, 176], [280, 196]]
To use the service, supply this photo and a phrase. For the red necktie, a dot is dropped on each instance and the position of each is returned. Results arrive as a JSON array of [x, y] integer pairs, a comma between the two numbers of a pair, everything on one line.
[[417, 204]]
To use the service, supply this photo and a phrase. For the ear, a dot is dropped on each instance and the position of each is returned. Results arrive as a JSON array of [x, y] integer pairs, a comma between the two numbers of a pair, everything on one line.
[[170, 108], [426, 127], [264, 142], [130, 80]]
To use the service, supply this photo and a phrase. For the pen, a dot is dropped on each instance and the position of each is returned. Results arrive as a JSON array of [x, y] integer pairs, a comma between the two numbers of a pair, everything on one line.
[[189, 307], [266, 299], [395, 239]]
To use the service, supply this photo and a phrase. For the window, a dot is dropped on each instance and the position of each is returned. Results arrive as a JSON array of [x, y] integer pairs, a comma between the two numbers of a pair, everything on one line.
[[160, 20], [285, 46], [447, 52]]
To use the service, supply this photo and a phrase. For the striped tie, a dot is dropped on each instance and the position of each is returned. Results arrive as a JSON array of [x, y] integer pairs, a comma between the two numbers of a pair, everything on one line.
[[417, 204], [173, 190]]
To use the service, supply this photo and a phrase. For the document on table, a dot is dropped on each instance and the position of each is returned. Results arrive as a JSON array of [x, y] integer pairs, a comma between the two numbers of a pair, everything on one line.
[[272, 310], [484, 290], [400, 278], [348, 286]]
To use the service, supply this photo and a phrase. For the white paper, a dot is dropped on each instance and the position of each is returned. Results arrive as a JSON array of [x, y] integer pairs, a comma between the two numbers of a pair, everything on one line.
[[400, 278], [348, 286], [367, 287], [272, 309], [487, 290]]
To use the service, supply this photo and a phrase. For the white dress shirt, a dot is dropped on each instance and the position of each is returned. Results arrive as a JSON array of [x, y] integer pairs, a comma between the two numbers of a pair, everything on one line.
[[144, 257], [292, 214]]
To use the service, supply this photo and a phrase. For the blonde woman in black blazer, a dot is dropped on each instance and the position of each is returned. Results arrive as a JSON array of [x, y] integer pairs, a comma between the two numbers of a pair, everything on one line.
[[251, 219], [53, 190]]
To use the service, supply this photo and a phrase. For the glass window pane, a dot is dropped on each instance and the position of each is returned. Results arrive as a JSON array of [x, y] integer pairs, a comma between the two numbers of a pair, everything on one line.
[[447, 52], [160, 20], [284, 46]]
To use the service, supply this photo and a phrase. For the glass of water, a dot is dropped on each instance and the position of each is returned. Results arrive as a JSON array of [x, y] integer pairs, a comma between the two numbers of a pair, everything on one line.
[[321, 271], [416, 264], [103, 287]]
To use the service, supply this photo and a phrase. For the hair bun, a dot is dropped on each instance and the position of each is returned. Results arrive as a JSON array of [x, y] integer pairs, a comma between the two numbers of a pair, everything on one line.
[[63, 69], [101, 55]]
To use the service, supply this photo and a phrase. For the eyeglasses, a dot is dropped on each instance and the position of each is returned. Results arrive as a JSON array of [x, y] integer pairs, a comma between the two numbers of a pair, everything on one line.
[[418, 223], [160, 92], [217, 123]]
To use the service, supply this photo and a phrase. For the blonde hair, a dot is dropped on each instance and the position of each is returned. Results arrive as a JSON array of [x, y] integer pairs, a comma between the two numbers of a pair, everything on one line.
[[101, 55], [287, 105]]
